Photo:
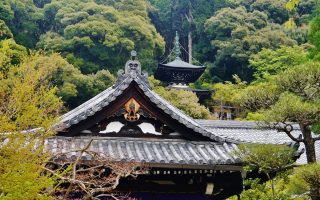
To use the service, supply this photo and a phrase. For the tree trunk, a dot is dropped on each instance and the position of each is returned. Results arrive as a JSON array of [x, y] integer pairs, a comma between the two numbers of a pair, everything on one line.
[[190, 47], [311, 156], [308, 143], [314, 193]]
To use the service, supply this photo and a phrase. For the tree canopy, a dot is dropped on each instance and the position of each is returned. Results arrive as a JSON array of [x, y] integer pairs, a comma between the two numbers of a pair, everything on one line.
[[100, 33], [27, 101], [270, 62], [290, 96], [263, 55], [237, 34]]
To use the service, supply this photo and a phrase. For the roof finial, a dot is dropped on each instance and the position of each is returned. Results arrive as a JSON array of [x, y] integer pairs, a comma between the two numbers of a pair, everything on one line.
[[176, 48], [133, 54], [133, 66]]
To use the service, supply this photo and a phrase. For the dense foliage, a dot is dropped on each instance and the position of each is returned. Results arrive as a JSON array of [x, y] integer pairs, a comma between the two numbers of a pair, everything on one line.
[[94, 35], [283, 180], [306, 178], [263, 55], [72, 86], [100, 34], [290, 96], [256, 158], [237, 40], [270, 62], [27, 101], [226, 33]]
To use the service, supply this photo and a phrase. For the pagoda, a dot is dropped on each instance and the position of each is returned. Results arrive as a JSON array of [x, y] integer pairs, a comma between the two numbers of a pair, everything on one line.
[[178, 74]]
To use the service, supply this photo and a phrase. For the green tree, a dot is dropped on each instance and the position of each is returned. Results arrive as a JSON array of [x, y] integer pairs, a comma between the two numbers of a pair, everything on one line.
[[306, 178], [276, 10], [101, 33], [283, 11], [293, 96], [314, 36], [270, 62], [263, 191], [227, 93], [236, 40], [28, 109], [73, 86], [257, 157], [184, 16], [10, 54], [23, 20], [5, 32]]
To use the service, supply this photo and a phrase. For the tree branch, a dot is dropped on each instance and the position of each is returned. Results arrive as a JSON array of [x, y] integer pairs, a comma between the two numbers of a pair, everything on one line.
[[286, 128], [316, 138], [100, 176]]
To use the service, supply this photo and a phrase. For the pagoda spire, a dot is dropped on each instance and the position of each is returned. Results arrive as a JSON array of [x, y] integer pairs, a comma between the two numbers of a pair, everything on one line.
[[176, 48]]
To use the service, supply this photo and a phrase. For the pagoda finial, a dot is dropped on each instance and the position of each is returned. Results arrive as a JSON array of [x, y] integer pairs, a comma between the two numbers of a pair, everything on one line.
[[176, 48]]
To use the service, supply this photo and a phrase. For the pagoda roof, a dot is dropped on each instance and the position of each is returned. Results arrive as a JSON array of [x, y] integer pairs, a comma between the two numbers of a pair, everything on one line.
[[178, 71], [178, 63]]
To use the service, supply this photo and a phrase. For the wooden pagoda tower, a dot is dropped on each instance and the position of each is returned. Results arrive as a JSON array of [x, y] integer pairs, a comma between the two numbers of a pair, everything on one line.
[[178, 74]]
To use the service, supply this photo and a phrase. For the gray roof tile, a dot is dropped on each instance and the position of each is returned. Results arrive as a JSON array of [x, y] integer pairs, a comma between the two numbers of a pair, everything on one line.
[[153, 151], [181, 64], [252, 132]]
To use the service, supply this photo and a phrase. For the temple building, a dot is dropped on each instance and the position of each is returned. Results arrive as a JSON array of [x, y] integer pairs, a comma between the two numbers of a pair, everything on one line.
[[185, 158], [178, 74]]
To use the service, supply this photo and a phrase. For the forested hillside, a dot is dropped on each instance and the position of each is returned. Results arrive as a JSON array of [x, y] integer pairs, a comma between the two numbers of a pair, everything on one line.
[[262, 59], [94, 37]]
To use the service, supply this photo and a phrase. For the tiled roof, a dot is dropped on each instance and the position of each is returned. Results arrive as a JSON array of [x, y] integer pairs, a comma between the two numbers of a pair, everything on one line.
[[103, 99], [170, 151], [251, 132], [154, 151], [181, 64], [236, 124]]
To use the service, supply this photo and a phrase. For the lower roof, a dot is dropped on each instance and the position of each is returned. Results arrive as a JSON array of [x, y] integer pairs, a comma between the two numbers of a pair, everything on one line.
[[253, 132], [155, 152]]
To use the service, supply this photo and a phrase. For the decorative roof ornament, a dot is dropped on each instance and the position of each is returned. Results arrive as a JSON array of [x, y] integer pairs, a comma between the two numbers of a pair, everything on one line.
[[176, 47], [132, 69], [133, 66], [132, 108]]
